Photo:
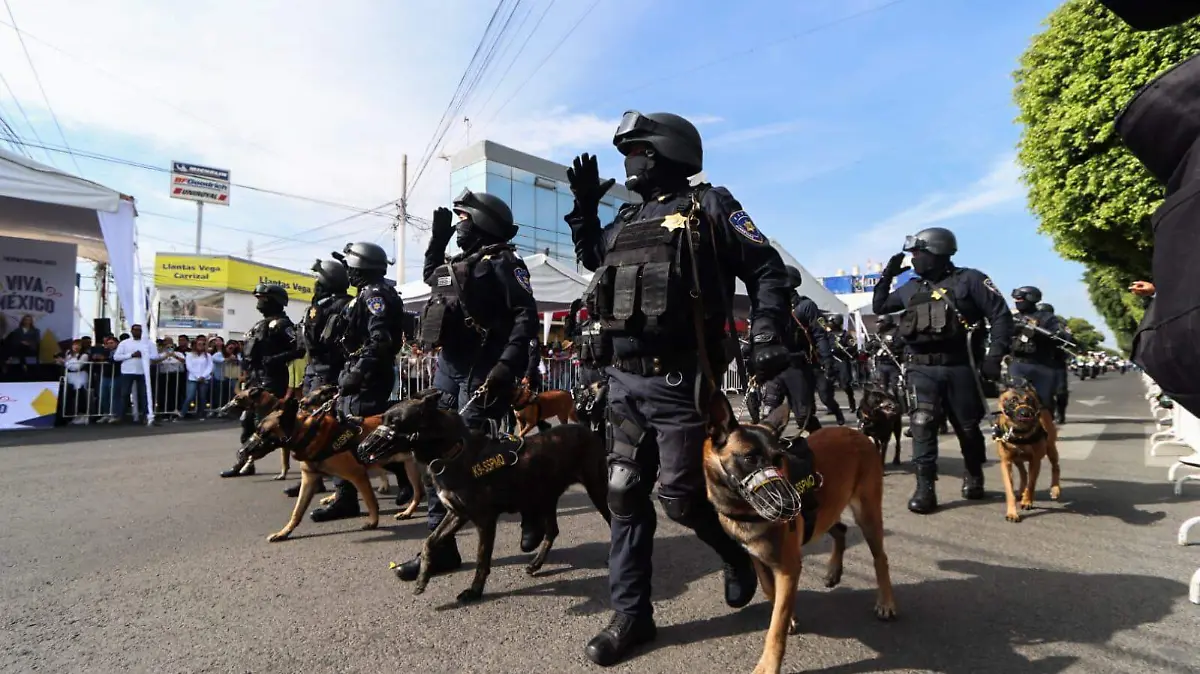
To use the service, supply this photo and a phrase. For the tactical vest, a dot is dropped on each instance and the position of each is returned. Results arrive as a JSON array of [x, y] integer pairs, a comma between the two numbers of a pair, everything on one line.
[[448, 309], [1024, 340], [891, 353], [643, 287], [352, 324], [931, 323], [802, 342], [253, 344]]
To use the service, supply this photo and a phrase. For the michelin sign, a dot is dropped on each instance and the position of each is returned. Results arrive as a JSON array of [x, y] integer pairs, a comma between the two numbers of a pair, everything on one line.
[[194, 182]]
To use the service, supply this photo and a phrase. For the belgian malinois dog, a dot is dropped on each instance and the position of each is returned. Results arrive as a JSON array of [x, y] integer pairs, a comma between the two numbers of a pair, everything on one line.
[[479, 477], [1025, 432], [770, 510], [259, 401], [532, 408], [879, 419]]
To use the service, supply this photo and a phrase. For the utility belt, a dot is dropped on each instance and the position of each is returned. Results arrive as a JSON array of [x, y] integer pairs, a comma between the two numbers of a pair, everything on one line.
[[651, 366], [937, 359], [1034, 360]]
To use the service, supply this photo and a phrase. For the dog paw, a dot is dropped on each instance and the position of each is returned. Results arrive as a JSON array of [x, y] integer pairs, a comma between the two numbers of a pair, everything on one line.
[[533, 568], [793, 625], [833, 577], [885, 611], [276, 537], [281, 476], [1055, 492], [1027, 505], [328, 499], [405, 515], [383, 490], [419, 587], [368, 526], [469, 595], [1013, 516]]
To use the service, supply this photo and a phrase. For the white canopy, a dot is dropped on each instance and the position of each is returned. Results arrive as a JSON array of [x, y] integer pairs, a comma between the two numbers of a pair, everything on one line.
[[811, 288], [555, 285]]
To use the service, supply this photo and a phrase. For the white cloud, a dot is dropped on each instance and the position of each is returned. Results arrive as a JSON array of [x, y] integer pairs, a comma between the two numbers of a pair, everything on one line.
[[755, 133]]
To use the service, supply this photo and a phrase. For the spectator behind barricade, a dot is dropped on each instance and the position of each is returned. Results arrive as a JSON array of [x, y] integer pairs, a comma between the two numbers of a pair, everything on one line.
[[22, 344], [74, 363], [184, 344], [169, 378], [217, 394], [199, 364], [103, 376], [134, 354]]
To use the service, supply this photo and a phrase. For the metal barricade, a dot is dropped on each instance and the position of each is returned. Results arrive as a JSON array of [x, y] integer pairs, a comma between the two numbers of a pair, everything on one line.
[[560, 373], [92, 391], [732, 381]]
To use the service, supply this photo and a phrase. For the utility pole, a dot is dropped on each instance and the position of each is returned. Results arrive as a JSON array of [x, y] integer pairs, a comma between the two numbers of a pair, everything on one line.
[[249, 249], [199, 223], [399, 228]]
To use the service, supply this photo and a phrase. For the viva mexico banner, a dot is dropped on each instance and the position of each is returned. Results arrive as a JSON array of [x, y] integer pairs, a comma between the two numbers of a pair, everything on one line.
[[227, 273], [37, 280]]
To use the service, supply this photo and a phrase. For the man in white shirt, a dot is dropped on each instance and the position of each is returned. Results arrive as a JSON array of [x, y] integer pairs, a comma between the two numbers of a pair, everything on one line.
[[134, 354]]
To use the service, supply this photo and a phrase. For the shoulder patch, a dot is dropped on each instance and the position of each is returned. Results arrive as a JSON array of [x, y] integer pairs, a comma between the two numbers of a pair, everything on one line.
[[375, 305], [522, 276], [742, 224], [273, 323], [291, 334], [990, 285]]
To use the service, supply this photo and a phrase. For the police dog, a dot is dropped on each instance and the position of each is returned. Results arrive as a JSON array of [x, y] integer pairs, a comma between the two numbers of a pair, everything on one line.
[[533, 408], [743, 463], [259, 401], [879, 419], [1025, 432], [479, 477]]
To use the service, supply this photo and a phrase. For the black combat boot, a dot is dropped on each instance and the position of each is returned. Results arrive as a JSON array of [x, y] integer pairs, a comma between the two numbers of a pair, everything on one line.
[[972, 486], [532, 533], [924, 498], [853, 404], [345, 504], [445, 559], [239, 468], [294, 490], [623, 634], [740, 580]]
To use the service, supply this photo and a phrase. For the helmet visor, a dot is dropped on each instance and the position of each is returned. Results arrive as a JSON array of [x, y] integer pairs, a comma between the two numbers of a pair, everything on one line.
[[912, 243], [634, 122]]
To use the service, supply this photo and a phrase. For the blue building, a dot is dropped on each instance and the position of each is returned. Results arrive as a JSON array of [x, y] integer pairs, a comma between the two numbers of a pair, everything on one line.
[[537, 191]]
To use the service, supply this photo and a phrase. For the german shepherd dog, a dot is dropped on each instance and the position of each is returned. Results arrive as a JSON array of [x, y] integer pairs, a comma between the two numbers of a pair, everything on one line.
[[745, 465], [533, 408], [324, 446], [1025, 432], [259, 401], [879, 419], [479, 477]]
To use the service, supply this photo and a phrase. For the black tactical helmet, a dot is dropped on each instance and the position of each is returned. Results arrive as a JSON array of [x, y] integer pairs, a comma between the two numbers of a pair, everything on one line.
[[332, 275], [670, 135], [837, 320], [487, 212], [885, 321], [795, 278], [935, 240], [364, 256], [273, 291], [1046, 306], [1027, 293]]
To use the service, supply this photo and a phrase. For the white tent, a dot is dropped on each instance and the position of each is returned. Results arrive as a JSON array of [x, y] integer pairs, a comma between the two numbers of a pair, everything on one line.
[[42, 203], [811, 288], [555, 285]]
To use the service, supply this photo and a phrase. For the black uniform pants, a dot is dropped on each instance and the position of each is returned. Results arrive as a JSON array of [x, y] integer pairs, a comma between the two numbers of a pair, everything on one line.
[[654, 429], [317, 375], [373, 398], [940, 392], [887, 375], [825, 392], [1043, 379], [276, 385], [843, 371], [797, 385]]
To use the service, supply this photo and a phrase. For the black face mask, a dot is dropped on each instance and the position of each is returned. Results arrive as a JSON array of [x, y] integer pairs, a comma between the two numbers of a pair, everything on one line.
[[930, 266], [268, 306], [467, 237], [319, 290], [639, 173], [359, 277], [1026, 307]]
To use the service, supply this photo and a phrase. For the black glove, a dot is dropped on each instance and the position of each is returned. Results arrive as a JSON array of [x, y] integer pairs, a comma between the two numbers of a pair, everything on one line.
[[991, 368], [584, 177], [500, 378], [350, 382], [768, 357], [829, 368], [443, 229], [894, 268]]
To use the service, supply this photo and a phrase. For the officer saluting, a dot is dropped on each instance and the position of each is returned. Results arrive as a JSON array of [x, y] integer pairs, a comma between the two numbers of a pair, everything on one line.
[[482, 314], [270, 347], [941, 306], [1034, 353], [320, 331], [373, 326], [1062, 394], [809, 345], [662, 292]]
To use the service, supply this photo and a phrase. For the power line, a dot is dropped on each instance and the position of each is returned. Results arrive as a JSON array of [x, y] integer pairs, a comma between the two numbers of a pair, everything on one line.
[[21, 109], [37, 78], [520, 51]]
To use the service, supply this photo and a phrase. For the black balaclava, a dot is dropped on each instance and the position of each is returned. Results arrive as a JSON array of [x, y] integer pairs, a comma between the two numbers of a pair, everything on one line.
[[650, 174], [361, 277], [269, 307], [470, 237], [1025, 306], [929, 266], [320, 291]]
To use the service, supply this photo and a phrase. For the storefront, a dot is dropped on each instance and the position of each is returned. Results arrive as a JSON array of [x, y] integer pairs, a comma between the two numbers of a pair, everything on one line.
[[209, 294]]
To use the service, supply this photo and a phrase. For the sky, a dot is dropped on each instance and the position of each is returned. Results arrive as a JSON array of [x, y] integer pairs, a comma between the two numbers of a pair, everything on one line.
[[840, 125]]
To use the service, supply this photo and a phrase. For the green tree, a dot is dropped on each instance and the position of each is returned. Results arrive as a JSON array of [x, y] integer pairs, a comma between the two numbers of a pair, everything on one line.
[[1093, 197], [1084, 334]]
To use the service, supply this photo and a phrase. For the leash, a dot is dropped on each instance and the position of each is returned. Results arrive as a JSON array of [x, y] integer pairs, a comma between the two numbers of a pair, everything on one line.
[[479, 392]]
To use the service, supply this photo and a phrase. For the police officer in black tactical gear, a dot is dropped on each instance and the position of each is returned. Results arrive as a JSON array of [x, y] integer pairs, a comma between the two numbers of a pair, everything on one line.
[[585, 335], [662, 292], [483, 316], [1035, 355], [1062, 394], [320, 334], [941, 306], [808, 341], [845, 358], [887, 348], [374, 329], [270, 348]]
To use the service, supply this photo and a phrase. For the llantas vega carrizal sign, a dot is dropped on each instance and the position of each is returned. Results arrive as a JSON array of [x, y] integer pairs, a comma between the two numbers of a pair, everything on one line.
[[194, 182]]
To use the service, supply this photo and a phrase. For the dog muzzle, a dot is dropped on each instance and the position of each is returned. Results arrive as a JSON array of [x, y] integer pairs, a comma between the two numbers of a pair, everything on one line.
[[383, 443], [771, 495], [1023, 414]]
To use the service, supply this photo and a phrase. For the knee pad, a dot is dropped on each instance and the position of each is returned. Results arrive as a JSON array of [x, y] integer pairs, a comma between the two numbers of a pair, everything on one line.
[[924, 425], [625, 490]]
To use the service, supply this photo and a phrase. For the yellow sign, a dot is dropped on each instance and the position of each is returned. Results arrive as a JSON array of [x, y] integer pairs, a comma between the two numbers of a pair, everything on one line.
[[211, 271]]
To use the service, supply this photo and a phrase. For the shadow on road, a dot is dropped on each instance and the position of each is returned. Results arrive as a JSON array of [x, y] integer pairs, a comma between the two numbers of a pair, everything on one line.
[[969, 624], [100, 432]]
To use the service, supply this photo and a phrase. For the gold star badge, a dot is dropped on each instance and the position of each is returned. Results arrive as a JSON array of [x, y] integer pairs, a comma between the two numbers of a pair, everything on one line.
[[674, 221]]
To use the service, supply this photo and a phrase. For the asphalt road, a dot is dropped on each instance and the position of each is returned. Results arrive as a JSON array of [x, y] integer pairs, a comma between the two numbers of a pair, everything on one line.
[[122, 551]]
